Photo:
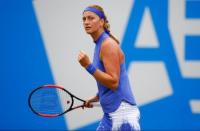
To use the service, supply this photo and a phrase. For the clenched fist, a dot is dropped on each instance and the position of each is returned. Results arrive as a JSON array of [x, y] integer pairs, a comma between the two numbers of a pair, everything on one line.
[[83, 59]]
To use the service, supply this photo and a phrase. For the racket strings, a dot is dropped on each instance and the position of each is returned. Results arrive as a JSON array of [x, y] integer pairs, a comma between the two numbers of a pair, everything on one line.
[[48, 101]]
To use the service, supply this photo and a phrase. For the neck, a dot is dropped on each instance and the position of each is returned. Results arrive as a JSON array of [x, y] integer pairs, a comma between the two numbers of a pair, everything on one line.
[[95, 35]]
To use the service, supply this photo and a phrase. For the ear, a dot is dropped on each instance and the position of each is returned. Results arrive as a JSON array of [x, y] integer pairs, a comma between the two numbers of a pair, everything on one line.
[[102, 22]]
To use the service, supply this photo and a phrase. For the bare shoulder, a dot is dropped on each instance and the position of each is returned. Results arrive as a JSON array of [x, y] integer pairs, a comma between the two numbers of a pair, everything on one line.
[[110, 46], [109, 43]]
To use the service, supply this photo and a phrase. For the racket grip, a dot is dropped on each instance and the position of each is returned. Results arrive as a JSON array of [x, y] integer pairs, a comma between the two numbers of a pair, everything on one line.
[[96, 104]]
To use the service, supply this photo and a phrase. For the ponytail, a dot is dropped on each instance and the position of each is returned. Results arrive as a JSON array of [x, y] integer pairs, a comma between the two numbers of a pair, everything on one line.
[[114, 38]]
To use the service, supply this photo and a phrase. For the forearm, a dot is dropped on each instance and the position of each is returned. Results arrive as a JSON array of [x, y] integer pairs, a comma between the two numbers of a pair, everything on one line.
[[105, 79], [94, 99]]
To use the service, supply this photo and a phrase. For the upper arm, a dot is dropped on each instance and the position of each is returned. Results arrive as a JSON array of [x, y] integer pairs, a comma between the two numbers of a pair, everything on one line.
[[110, 57]]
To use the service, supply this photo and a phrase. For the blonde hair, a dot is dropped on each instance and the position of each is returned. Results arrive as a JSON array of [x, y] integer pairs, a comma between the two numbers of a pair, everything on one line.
[[106, 23]]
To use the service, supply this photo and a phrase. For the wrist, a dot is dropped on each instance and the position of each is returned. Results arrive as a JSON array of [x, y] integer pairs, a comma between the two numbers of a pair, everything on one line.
[[91, 69]]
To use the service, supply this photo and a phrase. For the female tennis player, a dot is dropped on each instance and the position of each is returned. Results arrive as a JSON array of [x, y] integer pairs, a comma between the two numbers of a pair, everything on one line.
[[108, 68]]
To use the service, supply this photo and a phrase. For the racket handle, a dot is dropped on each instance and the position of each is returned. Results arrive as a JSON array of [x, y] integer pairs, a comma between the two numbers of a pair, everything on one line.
[[96, 104]]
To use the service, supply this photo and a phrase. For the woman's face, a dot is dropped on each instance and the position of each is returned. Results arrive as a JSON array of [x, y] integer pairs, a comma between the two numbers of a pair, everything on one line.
[[91, 22]]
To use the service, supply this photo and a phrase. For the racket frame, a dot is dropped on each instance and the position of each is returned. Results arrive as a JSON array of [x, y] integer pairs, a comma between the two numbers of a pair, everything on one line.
[[59, 87]]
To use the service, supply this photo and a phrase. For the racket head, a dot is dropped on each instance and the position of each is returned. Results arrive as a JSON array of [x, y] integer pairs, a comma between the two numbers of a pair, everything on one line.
[[46, 101]]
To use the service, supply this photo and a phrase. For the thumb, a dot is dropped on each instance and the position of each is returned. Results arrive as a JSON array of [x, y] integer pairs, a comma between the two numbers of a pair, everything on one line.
[[82, 52]]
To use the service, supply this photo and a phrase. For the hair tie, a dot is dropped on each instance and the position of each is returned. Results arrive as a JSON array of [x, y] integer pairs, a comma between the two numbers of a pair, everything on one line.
[[107, 31]]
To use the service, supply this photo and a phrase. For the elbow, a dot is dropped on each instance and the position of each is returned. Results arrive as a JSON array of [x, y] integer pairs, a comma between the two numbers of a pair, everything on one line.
[[114, 85]]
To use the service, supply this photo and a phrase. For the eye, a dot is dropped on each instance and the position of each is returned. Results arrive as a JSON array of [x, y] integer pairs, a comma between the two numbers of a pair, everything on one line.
[[83, 18]]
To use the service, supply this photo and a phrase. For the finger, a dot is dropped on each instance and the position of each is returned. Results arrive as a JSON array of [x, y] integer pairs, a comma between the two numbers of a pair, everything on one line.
[[91, 105], [87, 104], [82, 52], [81, 56]]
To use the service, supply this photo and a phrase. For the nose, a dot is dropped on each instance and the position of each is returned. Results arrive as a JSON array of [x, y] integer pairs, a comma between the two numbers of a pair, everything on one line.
[[86, 22]]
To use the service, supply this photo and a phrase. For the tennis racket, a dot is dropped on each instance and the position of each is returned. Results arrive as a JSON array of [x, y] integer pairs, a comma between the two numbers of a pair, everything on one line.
[[46, 101]]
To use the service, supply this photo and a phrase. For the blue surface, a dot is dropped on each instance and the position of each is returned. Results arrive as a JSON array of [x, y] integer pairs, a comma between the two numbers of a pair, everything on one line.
[[192, 48], [24, 66], [192, 9]]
